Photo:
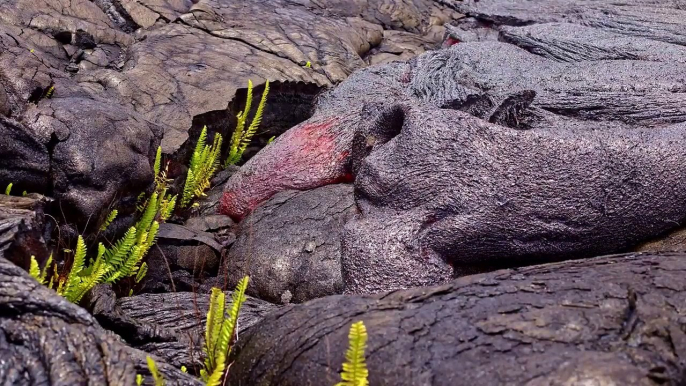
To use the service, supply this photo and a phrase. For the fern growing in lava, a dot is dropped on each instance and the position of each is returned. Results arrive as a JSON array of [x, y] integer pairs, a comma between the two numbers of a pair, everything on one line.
[[219, 332], [204, 164], [110, 217], [35, 271], [240, 140], [124, 257], [355, 368]]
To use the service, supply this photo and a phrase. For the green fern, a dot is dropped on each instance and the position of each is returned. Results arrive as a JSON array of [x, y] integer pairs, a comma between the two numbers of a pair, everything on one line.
[[44, 273], [8, 189], [73, 279], [355, 368], [110, 217], [34, 269], [219, 332], [204, 163], [241, 137], [116, 255], [141, 272], [156, 375], [158, 161]]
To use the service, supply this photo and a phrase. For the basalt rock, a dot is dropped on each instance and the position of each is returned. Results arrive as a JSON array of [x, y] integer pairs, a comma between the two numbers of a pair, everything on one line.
[[291, 245], [170, 326], [89, 89], [510, 147], [612, 321], [493, 195], [46, 340]]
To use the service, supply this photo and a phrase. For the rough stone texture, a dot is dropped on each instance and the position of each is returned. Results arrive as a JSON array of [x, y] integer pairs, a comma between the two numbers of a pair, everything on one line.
[[484, 198], [290, 246], [673, 241], [170, 325], [45, 340], [26, 213], [578, 139], [605, 321], [88, 89]]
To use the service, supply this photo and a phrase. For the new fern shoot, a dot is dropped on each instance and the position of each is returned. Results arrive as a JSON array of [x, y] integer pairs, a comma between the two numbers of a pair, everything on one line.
[[220, 331], [240, 140], [355, 368]]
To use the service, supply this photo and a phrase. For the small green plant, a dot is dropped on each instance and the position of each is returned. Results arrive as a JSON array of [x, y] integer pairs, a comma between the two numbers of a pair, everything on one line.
[[204, 163], [156, 375], [139, 379], [110, 217], [240, 140], [124, 258], [8, 189], [35, 271], [355, 368], [219, 332]]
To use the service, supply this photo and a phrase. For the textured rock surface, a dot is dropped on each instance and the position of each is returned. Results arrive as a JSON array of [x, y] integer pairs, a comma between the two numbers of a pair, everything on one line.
[[451, 192], [170, 325], [88, 89], [611, 320], [586, 101], [291, 245], [45, 340]]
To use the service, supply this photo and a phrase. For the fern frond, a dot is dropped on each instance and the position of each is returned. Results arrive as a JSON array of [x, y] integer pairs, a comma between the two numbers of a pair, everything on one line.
[[156, 375], [220, 331], [257, 119], [143, 225], [158, 162], [44, 273], [248, 101], [116, 255], [110, 217], [150, 238], [241, 138], [355, 368], [237, 300], [199, 147], [34, 269], [71, 288], [142, 271], [215, 320], [188, 189], [131, 264], [204, 163], [8, 189], [167, 208]]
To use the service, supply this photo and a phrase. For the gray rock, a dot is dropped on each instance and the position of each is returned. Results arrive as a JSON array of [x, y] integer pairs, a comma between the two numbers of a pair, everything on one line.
[[37, 324], [450, 193], [291, 245], [180, 233], [89, 89], [530, 142], [170, 325], [579, 322], [198, 258], [209, 223]]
